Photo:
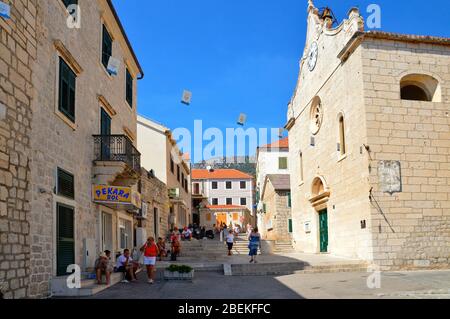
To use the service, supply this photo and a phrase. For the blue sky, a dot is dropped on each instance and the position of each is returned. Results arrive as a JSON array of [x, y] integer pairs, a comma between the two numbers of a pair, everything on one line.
[[239, 55]]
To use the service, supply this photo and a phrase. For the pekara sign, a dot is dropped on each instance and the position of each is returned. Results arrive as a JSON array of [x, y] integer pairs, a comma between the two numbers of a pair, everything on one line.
[[116, 196]]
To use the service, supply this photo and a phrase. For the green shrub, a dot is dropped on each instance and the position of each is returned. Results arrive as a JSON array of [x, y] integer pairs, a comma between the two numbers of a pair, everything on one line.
[[181, 269]]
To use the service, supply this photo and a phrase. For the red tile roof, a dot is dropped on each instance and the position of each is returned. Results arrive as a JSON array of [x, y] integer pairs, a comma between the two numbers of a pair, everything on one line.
[[225, 207], [283, 143], [219, 174]]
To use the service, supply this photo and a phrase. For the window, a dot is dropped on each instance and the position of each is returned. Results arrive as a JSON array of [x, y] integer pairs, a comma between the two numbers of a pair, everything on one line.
[[196, 189], [301, 168], [125, 234], [65, 184], [341, 146], [67, 89], [282, 163], [243, 201], [229, 201], [420, 87], [178, 173], [183, 181], [289, 199], [243, 184], [228, 185], [290, 226], [69, 2], [215, 201], [172, 166], [264, 208], [106, 47], [186, 188], [214, 185], [129, 89]]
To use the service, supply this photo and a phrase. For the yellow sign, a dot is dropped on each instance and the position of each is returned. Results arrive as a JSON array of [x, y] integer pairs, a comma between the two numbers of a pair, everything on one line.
[[111, 194]]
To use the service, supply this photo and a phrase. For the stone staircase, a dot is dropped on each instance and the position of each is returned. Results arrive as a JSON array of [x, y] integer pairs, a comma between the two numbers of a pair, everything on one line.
[[283, 247]]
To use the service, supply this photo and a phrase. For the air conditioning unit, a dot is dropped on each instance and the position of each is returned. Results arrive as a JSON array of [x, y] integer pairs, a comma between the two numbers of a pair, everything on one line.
[[174, 193], [143, 212]]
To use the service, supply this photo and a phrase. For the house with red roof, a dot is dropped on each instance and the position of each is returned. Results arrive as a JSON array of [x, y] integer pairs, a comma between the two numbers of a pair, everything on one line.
[[222, 196]]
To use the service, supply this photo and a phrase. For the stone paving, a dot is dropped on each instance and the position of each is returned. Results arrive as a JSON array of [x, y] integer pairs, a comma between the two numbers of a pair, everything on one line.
[[208, 285]]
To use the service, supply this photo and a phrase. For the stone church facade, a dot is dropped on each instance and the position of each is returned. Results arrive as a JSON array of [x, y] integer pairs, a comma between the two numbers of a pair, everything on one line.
[[369, 142]]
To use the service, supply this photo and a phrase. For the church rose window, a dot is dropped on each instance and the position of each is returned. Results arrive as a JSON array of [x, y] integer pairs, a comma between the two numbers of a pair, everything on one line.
[[316, 115]]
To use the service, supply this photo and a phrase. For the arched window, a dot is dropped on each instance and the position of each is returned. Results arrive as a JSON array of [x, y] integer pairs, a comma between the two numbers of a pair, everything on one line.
[[342, 147], [420, 87]]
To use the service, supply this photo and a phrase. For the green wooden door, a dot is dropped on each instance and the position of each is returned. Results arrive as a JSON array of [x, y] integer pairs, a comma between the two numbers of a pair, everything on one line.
[[65, 246], [323, 223]]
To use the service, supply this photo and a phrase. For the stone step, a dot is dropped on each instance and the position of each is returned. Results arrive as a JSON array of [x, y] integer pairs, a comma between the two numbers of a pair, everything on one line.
[[88, 288], [276, 269]]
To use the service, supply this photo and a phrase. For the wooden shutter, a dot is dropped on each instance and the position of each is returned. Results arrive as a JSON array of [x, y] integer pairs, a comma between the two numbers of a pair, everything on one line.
[[290, 228], [66, 185], [67, 89], [65, 254], [129, 89], [282, 163]]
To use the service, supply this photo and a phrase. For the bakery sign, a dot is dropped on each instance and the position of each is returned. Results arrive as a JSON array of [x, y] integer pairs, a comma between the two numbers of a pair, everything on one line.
[[116, 197]]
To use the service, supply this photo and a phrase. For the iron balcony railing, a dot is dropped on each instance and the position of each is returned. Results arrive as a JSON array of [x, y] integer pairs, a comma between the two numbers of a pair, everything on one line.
[[117, 148]]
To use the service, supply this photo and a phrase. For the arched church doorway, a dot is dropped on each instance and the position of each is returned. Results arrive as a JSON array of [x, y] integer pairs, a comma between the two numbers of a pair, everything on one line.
[[319, 200]]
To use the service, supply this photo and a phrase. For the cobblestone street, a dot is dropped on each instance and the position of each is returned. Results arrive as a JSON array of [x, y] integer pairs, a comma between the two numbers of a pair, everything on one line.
[[404, 285]]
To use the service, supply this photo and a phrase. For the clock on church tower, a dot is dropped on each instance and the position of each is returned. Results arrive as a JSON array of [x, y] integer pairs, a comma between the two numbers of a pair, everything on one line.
[[312, 56]]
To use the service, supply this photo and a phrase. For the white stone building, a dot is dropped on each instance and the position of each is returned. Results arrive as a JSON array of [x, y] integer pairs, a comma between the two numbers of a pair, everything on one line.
[[222, 196], [161, 155], [81, 162], [270, 159]]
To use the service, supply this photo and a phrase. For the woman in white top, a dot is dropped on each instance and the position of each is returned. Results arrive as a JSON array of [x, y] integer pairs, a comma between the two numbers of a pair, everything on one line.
[[230, 242]]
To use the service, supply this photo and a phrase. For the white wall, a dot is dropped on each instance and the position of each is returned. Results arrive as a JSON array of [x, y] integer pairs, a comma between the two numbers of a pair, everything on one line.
[[267, 163], [151, 141], [236, 193]]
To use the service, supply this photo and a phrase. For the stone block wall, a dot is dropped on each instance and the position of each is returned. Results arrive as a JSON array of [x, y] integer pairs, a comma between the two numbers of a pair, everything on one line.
[[155, 193], [412, 229], [17, 56]]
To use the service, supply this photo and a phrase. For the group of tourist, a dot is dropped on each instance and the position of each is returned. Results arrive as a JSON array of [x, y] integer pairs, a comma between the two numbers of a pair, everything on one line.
[[151, 251], [126, 264]]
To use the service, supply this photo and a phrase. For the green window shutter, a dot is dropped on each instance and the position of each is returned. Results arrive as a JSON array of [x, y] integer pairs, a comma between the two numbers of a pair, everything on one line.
[[290, 228], [264, 208], [66, 185], [106, 47], [67, 89], [65, 245], [129, 89], [282, 163]]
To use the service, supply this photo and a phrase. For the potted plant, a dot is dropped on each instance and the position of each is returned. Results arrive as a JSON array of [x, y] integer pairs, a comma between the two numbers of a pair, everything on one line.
[[182, 272]]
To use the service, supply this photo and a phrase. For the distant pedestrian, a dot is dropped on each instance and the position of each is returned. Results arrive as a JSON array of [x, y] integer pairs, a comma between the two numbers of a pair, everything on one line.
[[254, 242], [230, 242], [151, 251]]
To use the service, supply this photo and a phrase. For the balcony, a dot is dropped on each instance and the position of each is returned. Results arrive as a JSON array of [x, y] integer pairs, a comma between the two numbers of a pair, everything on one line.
[[116, 161]]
